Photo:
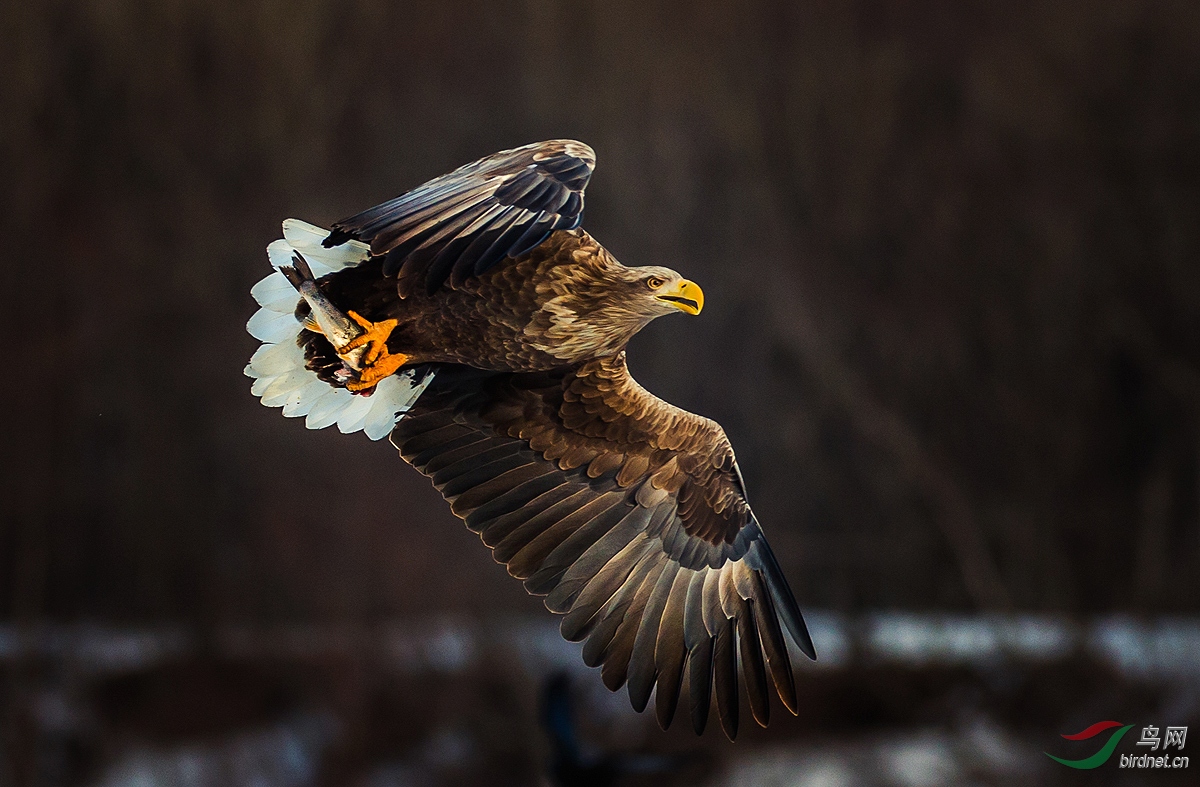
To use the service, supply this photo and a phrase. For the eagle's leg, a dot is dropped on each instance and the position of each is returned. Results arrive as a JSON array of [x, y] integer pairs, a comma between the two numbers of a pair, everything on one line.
[[377, 363]]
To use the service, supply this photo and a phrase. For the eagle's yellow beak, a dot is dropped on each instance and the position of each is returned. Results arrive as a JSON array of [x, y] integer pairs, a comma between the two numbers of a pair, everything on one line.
[[684, 295]]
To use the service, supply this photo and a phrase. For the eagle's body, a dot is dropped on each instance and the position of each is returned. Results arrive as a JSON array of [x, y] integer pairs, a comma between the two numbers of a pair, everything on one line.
[[559, 304], [477, 324]]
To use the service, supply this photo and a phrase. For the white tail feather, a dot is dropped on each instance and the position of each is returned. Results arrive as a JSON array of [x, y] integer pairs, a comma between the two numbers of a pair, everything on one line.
[[280, 376]]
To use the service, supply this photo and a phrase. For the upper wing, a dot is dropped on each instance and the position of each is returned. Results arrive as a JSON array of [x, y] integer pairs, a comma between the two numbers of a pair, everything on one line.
[[629, 515], [462, 223]]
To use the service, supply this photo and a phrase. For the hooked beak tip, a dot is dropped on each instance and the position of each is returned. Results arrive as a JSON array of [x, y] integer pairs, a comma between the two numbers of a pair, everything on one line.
[[685, 296]]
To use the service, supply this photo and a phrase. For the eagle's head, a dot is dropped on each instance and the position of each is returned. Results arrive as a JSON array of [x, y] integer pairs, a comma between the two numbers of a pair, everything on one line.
[[599, 304], [595, 284], [653, 291], [657, 291], [621, 301]]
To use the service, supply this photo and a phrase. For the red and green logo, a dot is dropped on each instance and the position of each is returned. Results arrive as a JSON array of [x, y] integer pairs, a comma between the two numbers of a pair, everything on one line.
[[1100, 757]]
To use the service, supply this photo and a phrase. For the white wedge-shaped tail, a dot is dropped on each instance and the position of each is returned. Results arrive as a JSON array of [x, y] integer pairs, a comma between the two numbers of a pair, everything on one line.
[[277, 367]]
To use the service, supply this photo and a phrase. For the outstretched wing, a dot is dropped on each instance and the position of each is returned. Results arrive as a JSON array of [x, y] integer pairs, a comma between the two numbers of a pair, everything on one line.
[[462, 223], [629, 515]]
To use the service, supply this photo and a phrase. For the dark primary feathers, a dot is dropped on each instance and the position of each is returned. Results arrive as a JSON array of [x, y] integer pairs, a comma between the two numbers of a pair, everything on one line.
[[462, 223], [628, 515]]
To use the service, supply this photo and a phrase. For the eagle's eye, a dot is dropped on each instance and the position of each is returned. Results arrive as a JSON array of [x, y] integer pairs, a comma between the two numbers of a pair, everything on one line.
[[654, 282]]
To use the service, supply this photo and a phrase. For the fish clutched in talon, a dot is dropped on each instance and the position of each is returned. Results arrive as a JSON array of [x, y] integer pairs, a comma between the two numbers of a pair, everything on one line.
[[360, 343]]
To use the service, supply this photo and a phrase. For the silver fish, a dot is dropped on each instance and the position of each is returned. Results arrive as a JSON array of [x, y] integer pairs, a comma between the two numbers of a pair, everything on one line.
[[331, 321]]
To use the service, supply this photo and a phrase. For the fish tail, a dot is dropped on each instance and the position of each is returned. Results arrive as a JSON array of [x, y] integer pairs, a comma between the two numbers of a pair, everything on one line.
[[298, 272]]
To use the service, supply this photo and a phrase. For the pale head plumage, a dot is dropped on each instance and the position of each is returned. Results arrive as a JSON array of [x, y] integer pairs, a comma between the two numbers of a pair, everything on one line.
[[602, 304]]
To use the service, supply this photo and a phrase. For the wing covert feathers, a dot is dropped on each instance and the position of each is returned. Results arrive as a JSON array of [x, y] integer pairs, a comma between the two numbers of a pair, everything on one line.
[[648, 552], [460, 224]]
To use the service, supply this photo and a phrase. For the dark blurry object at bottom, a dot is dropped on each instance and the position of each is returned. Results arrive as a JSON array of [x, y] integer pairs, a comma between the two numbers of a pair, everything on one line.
[[570, 765]]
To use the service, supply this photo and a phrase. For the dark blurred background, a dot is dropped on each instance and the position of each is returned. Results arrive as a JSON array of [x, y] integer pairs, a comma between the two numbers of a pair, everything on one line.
[[953, 332]]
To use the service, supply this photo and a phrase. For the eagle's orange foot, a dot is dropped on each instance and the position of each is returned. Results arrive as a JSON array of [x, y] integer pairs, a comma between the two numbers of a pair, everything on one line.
[[377, 363], [370, 376], [374, 338]]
